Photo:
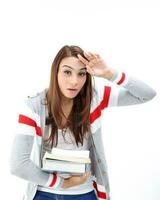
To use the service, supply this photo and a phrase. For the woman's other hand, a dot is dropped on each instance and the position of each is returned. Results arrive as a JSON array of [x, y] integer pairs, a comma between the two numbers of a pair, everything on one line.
[[75, 180]]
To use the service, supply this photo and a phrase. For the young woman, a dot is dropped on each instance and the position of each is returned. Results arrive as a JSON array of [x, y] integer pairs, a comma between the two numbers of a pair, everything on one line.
[[67, 115]]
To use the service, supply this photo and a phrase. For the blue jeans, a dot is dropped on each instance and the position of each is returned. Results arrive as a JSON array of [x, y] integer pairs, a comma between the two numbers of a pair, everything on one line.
[[40, 195]]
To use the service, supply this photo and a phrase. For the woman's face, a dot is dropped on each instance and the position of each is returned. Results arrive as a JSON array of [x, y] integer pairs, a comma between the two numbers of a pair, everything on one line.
[[71, 76]]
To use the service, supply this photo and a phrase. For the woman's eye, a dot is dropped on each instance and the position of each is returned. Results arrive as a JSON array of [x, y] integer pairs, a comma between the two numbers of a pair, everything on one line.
[[82, 74], [67, 72]]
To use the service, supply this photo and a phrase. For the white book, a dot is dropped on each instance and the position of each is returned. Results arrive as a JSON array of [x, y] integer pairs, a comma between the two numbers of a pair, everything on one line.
[[72, 153], [66, 161]]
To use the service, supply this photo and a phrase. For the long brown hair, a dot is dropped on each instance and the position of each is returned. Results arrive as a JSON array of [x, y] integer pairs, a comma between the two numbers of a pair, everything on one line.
[[78, 119]]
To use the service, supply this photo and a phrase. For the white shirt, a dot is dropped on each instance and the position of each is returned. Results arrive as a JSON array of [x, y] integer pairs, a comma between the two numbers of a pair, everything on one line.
[[66, 141]]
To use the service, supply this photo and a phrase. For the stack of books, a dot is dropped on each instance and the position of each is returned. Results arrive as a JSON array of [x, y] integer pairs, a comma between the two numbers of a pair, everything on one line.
[[64, 161]]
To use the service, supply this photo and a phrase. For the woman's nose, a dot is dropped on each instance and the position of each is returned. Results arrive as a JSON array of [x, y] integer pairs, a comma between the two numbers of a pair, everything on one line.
[[74, 80]]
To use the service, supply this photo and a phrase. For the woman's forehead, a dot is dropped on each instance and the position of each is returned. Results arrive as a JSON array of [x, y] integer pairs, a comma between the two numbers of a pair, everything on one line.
[[73, 62]]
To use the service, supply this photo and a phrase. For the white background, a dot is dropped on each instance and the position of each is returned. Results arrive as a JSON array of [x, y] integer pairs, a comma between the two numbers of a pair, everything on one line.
[[127, 35]]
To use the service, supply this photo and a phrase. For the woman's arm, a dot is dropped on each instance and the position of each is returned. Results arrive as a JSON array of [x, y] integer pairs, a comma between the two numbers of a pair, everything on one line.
[[132, 90], [21, 164]]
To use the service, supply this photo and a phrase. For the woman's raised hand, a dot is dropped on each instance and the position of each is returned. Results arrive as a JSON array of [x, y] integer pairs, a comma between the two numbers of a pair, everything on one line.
[[96, 66]]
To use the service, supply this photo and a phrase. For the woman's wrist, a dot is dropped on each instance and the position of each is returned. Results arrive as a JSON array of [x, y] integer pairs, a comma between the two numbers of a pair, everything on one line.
[[66, 183], [110, 74]]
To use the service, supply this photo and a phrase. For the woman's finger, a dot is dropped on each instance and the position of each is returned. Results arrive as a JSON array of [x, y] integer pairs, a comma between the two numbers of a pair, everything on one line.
[[89, 55], [90, 70], [92, 55], [97, 55], [82, 59]]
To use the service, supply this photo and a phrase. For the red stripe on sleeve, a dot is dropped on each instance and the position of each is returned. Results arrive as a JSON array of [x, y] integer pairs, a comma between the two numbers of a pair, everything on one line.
[[122, 78], [53, 180], [100, 194], [30, 122], [38, 130], [26, 120], [104, 103]]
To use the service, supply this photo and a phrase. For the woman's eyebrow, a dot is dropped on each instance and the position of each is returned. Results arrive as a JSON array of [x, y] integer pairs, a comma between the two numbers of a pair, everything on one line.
[[72, 68]]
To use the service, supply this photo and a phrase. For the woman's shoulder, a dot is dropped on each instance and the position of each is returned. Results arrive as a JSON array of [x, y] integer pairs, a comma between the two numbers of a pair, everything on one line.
[[37, 100], [38, 94]]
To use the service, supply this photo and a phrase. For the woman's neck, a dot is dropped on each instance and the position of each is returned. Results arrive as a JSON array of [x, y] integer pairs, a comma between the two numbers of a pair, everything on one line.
[[65, 102]]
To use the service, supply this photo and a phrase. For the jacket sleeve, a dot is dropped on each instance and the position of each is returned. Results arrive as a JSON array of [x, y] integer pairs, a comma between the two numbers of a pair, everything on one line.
[[123, 90], [21, 162]]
